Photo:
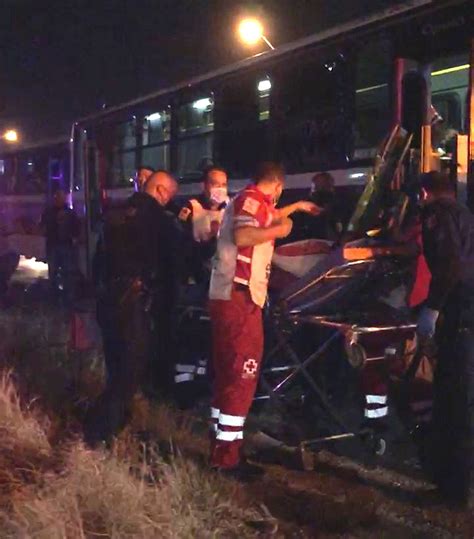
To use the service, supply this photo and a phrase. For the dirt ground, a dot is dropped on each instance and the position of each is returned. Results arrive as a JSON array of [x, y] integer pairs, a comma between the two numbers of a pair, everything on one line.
[[340, 497]]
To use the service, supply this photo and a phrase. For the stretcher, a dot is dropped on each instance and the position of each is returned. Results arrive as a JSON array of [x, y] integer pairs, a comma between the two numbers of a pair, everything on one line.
[[337, 307]]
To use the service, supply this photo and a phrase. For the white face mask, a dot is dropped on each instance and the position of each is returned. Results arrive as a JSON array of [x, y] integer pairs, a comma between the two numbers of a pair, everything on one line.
[[218, 195]]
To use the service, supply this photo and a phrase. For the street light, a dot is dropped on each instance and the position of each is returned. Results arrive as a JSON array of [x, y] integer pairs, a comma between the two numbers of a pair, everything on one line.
[[251, 32], [10, 136]]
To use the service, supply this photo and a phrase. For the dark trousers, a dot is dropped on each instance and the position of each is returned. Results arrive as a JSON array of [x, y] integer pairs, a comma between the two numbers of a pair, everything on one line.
[[125, 321], [62, 266], [8, 264], [453, 413]]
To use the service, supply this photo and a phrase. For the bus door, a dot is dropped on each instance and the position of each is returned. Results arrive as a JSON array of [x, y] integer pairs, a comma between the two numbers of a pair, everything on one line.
[[93, 207]]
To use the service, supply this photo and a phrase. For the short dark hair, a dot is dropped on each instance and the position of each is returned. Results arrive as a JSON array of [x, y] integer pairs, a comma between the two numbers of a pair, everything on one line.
[[325, 177], [146, 167], [269, 170], [209, 169], [436, 182]]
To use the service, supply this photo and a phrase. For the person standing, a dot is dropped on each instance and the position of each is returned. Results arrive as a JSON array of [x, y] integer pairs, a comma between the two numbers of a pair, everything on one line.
[[203, 216], [238, 291], [136, 280], [448, 244], [61, 227]]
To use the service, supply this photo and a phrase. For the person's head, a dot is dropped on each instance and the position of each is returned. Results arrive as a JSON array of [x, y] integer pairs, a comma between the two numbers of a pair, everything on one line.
[[59, 198], [214, 180], [322, 181], [141, 176], [322, 189], [434, 185], [270, 179], [161, 186]]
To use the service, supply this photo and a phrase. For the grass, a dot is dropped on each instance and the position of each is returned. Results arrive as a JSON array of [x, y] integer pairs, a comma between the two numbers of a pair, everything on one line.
[[53, 487]]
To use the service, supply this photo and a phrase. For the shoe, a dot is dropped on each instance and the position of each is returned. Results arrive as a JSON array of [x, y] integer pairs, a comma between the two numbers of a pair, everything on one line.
[[244, 472]]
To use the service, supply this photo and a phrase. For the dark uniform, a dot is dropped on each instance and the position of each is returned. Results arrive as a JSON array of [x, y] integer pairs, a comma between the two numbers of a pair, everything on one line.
[[136, 275], [61, 229], [328, 225], [448, 241]]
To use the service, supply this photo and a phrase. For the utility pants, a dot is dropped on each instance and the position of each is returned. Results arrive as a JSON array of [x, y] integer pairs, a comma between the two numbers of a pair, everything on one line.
[[237, 349], [125, 321], [453, 414]]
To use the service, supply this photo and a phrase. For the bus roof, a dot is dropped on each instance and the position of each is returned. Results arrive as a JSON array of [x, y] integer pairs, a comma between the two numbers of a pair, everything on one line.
[[320, 37], [43, 143]]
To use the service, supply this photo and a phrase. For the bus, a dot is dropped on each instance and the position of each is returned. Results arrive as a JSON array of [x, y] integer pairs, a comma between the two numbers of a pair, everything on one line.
[[321, 103]]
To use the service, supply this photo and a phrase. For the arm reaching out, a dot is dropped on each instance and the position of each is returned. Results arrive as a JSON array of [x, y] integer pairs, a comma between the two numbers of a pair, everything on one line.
[[303, 206], [248, 236]]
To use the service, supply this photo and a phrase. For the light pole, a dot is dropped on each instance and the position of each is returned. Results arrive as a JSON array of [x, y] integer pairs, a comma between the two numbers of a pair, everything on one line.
[[251, 32]]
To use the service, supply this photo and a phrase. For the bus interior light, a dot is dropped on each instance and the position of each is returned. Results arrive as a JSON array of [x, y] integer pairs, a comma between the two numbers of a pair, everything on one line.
[[264, 85], [450, 70], [154, 117], [357, 175], [203, 105]]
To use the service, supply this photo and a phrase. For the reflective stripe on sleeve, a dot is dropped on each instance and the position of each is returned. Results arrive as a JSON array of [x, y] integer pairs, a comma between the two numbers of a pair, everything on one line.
[[245, 220], [184, 377], [376, 399], [226, 436], [227, 420], [240, 281], [378, 412], [215, 413], [245, 259], [185, 368]]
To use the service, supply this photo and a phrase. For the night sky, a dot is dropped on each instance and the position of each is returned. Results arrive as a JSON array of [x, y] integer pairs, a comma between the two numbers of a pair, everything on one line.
[[63, 59]]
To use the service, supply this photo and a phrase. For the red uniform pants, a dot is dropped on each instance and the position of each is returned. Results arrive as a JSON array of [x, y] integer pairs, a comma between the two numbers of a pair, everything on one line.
[[237, 339]]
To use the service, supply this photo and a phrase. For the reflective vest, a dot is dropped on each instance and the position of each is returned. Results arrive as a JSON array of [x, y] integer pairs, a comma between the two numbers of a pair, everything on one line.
[[247, 266], [202, 220]]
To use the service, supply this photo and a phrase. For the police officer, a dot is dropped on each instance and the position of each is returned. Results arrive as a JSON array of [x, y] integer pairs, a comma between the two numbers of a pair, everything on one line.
[[448, 243], [203, 216], [136, 281]]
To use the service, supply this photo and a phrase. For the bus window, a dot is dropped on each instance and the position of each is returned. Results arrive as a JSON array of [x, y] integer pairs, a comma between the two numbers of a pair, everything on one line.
[[372, 97], [195, 144], [157, 157], [126, 135], [196, 117], [309, 107], [449, 91], [156, 134], [123, 169], [264, 87], [156, 128], [241, 134]]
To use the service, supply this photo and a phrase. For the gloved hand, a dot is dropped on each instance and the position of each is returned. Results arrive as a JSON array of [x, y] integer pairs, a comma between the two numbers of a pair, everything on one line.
[[426, 323]]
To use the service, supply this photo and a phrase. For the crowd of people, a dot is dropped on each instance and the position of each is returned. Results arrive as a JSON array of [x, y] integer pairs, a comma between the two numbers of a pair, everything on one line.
[[149, 248]]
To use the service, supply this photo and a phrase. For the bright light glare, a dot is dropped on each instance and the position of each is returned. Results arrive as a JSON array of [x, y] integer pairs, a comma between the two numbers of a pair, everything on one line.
[[264, 85], [154, 117], [11, 136], [357, 175], [250, 31], [203, 104]]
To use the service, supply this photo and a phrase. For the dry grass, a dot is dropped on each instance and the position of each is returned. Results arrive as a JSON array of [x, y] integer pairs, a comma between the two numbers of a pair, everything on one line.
[[72, 492]]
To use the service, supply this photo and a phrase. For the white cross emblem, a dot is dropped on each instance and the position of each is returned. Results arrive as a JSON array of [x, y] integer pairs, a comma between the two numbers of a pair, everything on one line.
[[250, 368]]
